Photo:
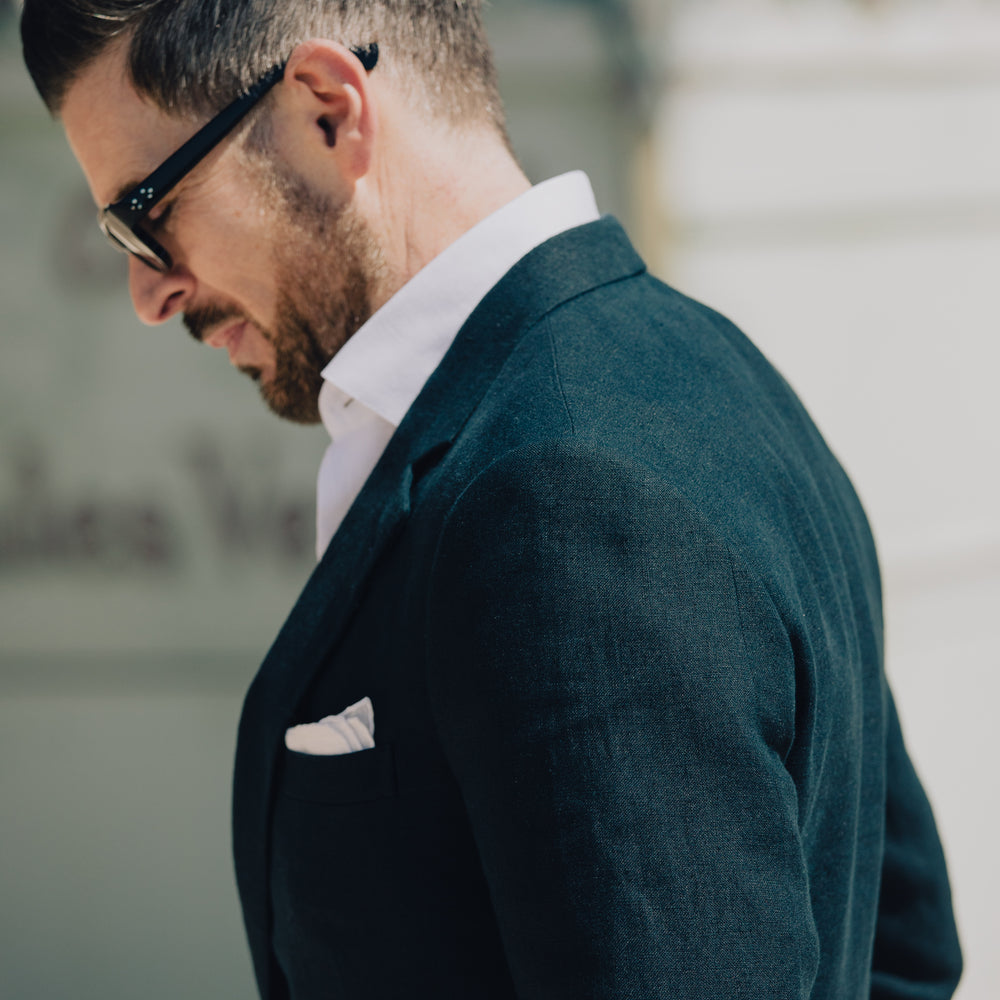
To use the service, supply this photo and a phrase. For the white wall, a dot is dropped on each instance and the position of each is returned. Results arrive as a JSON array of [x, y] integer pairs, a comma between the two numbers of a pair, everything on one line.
[[829, 177]]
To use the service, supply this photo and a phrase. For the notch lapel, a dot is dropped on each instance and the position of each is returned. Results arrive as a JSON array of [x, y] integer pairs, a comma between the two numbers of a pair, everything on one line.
[[312, 630]]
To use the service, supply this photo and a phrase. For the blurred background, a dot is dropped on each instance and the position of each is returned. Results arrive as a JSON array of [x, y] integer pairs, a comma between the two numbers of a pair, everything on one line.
[[825, 172]]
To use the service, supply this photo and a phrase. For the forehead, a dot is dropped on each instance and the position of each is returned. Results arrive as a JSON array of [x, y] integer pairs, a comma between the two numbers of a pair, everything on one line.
[[117, 136]]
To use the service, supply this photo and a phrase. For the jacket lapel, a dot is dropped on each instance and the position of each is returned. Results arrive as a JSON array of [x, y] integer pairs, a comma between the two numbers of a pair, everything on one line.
[[311, 631], [562, 268]]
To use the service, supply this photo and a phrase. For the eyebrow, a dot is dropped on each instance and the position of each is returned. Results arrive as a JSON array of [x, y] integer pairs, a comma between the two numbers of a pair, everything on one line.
[[124, 190]]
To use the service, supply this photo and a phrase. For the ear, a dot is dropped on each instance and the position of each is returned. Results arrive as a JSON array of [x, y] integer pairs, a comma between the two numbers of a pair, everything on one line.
[[325, 115]]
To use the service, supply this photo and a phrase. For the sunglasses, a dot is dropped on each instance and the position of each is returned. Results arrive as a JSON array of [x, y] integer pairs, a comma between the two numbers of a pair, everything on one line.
[[121, 221]]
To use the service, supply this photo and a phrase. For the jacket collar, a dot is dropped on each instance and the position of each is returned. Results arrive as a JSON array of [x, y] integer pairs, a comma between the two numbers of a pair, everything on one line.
[[563, 268]]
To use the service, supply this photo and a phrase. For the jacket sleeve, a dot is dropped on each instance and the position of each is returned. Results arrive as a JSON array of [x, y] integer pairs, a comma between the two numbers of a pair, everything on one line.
[[620, 761], [917, 954]]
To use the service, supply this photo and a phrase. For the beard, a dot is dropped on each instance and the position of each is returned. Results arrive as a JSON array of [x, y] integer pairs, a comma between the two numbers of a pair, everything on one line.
[[327, 264]]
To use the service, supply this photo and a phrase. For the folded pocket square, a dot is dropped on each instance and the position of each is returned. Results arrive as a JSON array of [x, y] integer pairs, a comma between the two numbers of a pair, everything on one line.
[[350, 731]]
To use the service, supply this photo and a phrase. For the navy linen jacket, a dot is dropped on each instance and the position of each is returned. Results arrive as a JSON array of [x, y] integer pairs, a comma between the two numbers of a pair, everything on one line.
[[618, 610]]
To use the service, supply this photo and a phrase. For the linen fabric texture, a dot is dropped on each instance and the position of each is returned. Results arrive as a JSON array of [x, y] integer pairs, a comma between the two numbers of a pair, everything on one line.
[[617, 608]]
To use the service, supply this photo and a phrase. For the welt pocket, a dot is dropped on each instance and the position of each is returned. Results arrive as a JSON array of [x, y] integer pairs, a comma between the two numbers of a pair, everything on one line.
[[362, 776]]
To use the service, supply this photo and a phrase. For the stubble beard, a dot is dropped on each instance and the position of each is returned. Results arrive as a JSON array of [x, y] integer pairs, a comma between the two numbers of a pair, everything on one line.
[[327, 264]]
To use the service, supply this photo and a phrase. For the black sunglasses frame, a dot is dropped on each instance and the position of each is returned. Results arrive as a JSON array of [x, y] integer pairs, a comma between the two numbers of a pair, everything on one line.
[[120, 221]]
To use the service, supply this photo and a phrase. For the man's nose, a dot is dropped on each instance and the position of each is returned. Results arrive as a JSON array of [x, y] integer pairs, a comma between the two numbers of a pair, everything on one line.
[[158, 295]]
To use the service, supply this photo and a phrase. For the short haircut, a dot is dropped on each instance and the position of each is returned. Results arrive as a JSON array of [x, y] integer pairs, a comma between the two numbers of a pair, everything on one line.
[[194, 56]]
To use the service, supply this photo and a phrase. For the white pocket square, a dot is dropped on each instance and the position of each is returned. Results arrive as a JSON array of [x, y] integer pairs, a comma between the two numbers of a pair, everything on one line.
[[350, 731]]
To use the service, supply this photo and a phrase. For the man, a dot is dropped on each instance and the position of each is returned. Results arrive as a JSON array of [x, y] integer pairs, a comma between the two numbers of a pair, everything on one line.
[[598, 614]]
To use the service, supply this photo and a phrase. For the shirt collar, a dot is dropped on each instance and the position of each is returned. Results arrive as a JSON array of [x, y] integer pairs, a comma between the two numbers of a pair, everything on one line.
[[386, 363]]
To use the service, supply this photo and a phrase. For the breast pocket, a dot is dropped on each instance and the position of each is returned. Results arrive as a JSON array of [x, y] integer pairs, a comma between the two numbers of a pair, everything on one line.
[[340, 779]]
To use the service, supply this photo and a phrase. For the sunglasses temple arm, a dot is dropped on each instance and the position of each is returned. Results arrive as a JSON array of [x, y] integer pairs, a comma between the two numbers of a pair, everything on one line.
[[205, 139]]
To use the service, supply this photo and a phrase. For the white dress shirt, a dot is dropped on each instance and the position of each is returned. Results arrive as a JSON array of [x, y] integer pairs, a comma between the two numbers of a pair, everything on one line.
[[375, 377]]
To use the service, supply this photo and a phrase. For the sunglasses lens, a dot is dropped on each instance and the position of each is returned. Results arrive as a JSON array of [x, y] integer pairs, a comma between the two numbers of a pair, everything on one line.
[[128, 240]]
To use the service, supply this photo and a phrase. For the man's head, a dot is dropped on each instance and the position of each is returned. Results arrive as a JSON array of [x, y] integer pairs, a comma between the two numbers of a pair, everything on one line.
[[328, 196]]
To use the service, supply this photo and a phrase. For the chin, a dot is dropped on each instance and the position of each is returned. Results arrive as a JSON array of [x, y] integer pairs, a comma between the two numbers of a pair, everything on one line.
[[299, 408]]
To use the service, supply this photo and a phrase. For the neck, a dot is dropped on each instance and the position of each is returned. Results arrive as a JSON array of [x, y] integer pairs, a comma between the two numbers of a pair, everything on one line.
[[430, 190]]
